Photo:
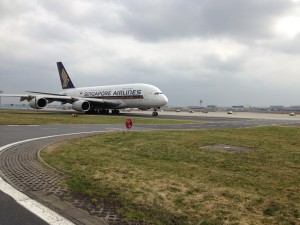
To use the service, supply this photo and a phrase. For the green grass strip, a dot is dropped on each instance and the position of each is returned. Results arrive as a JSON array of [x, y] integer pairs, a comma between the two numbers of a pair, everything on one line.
[[24, 117], [168, 177]]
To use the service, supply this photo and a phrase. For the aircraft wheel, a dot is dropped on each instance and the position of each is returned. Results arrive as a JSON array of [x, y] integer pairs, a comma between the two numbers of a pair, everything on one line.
[[103, 111], [155, 113], [115, 111], [91, 111]]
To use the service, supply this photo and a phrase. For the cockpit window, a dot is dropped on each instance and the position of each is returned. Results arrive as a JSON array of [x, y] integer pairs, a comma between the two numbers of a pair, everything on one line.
[[158, 93]]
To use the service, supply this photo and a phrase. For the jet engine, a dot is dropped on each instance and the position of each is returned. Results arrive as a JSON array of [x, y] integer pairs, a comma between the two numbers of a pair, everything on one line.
[[81, 106], [38, 103]]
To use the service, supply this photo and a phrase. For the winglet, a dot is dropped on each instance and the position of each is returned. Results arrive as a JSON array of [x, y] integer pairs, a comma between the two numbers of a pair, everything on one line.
[[66, 82]]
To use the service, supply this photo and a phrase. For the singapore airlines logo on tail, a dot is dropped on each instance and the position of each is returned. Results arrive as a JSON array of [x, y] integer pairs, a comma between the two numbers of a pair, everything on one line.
[[65, 78]]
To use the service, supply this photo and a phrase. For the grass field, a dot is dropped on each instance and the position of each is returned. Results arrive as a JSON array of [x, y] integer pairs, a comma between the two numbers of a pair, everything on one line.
[[168, 177], [23, 117]]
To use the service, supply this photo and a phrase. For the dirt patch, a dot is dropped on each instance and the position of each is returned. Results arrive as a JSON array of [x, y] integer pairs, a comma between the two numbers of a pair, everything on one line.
[[52, 148], [229, 148]]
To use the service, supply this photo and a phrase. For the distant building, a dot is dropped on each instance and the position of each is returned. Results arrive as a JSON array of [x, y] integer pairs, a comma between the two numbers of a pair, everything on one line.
[[294, 108], [237, 106], [196, 107], [276, 107], [211, 106]]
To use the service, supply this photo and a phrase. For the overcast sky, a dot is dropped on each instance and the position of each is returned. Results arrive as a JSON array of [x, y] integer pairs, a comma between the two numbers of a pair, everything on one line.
[[225, 52]]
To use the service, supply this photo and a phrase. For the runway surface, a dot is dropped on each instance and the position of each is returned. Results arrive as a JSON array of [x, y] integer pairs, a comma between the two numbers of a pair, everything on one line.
[[19, 167]]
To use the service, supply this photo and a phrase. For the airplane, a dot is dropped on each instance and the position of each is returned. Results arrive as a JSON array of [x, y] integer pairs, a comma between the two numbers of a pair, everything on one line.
[[98, 99]]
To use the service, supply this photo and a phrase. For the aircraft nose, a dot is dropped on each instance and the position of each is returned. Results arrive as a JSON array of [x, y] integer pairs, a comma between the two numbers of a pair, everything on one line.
[[164, 100]]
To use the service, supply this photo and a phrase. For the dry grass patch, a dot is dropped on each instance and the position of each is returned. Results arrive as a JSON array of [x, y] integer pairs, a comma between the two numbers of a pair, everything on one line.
[[166, 177], [229, 148]]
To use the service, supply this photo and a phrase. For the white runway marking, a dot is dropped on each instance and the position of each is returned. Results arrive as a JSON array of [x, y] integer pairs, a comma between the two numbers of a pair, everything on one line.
[[23, 125], [35, 207], [50, 128]]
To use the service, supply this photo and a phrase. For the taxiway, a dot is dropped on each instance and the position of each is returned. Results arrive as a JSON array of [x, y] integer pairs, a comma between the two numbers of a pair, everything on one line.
[[20, 169]]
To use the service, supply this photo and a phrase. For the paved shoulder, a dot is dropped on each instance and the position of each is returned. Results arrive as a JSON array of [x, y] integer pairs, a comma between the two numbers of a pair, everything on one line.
[[21, 169]]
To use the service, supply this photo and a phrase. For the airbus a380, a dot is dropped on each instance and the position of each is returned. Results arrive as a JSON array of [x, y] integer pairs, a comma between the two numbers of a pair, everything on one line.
[[98, 99]]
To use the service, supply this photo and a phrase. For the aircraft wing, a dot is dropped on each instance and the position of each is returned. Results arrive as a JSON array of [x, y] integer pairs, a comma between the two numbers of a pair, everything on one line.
[[100, 102], [28, 97], [65, 99], [69, 99]]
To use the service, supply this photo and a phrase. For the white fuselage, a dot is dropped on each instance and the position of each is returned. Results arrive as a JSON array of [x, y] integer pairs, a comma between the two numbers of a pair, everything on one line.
[[142, 96]]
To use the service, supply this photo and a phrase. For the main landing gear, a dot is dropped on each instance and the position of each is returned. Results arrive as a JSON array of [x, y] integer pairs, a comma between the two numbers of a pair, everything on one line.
[[115, 112]]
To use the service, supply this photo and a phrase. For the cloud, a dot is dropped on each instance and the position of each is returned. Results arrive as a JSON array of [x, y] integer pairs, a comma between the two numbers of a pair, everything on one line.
[[226, 52], [156, 20]]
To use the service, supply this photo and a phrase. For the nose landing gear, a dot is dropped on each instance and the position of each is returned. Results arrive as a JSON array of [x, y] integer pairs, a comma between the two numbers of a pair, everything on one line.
[[155, 113]]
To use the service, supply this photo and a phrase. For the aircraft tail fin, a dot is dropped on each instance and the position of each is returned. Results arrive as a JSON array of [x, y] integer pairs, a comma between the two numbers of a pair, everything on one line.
[[66, 81]]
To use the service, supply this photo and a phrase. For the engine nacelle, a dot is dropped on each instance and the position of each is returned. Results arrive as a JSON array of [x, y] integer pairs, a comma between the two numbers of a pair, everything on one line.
[[38, 103], [81, 106]]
